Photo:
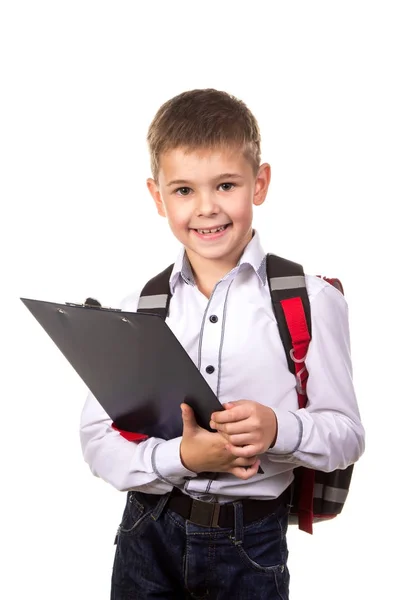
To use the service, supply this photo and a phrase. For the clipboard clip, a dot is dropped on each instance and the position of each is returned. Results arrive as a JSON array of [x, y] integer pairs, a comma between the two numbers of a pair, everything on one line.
[[93, 303]]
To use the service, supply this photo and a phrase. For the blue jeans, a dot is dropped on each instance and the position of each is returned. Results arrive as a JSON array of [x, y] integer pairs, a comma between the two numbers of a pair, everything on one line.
[[159, 554]]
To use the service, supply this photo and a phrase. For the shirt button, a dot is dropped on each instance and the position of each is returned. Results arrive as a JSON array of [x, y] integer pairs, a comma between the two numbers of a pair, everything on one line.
[[214, 319], [210, 369]]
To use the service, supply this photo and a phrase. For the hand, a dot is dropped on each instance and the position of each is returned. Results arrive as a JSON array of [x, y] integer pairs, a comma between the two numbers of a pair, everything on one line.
[[249, 427], [204, 451]]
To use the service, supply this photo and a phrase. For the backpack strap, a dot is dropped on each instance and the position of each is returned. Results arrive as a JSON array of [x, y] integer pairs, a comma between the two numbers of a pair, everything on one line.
[[156, 295], [291, 306]]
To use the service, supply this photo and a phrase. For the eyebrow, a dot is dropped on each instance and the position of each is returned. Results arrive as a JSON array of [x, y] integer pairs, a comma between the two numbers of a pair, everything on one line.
[[217, 178]]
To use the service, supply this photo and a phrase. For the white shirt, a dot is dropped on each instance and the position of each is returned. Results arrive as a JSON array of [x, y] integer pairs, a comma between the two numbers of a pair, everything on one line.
[[246, 351]]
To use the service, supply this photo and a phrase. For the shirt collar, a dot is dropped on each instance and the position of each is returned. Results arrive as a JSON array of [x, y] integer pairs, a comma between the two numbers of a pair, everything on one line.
[[253, 256]]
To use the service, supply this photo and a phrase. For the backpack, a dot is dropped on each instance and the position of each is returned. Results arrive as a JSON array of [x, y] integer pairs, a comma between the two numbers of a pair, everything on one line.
[[316, 495]]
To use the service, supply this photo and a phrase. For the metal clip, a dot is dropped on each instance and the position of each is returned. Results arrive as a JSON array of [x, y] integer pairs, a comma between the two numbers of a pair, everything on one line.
[[94, 304], [299, 384]]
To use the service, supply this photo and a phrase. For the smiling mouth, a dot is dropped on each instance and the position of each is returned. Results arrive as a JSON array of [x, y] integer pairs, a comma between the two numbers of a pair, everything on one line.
[[214, 230]]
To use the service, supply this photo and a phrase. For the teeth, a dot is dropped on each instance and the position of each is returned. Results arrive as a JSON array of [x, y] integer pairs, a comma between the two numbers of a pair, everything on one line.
[[212, 230]]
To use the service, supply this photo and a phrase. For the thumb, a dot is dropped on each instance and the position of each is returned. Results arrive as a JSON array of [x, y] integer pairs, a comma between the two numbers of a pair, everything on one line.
[[188, 418]]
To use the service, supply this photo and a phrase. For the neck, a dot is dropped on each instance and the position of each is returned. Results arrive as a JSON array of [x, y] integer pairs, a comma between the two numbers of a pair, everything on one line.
[[206, 281], [207, 272]]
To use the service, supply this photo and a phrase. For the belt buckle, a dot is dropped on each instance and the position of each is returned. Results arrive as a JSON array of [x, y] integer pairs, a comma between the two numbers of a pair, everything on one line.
[[204, 513]]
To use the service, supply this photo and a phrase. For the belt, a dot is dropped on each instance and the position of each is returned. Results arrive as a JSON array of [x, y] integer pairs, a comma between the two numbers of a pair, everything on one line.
[[213, 514]]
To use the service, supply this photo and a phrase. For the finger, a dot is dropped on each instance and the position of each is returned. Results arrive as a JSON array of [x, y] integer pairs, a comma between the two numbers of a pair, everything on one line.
[[234, 403], [243, 451], [221, 433], [244, 462], [238, 428], [237, 413], [241, 439], [229, 405], [243, 473]]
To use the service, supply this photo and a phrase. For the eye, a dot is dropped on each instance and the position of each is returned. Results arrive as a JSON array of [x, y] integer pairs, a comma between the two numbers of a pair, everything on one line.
[[227, 187], [183, 191]]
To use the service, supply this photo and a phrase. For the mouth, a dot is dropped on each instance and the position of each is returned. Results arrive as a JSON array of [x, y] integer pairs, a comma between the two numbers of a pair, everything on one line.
[[212, 231]]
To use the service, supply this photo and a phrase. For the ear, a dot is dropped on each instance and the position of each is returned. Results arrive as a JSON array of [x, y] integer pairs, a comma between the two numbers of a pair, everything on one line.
[[262, 183], [154, 191]]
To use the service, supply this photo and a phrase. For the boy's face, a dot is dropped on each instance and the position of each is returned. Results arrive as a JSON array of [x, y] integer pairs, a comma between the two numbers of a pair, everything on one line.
[[208, 197]]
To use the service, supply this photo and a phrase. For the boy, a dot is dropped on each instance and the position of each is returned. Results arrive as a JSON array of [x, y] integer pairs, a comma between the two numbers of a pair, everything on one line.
[[205, 158]]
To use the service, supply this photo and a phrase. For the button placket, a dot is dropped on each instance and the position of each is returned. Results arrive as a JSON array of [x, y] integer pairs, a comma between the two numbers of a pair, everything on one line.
[[211, 336]]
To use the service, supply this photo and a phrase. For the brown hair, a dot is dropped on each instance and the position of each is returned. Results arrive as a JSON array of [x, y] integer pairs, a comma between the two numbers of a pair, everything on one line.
[[203, 119]]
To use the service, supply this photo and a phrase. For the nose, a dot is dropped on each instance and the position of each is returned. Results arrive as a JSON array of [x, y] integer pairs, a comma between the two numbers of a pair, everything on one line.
[[206, 204]]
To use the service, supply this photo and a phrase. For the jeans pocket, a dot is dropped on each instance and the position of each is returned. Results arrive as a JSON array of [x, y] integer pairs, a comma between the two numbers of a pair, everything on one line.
[[134, 516], [263, 547]]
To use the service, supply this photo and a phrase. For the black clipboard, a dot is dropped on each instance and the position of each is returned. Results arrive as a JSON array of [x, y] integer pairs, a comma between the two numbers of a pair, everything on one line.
[[132, 363]]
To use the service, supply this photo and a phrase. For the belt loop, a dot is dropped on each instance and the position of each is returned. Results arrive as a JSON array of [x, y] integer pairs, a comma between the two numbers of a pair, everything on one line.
[[215, 517], [238, 518], [159, 507]]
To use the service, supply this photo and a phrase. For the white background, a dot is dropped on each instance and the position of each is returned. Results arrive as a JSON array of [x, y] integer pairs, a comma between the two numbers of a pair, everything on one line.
[[80, 83]]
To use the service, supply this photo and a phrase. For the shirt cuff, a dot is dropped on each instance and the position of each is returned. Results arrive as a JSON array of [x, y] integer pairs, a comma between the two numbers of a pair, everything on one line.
[[166, 462], [290, 433]]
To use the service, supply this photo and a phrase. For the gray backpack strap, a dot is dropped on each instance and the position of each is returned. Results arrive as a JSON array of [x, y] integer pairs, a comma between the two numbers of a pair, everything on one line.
[[156, 295]]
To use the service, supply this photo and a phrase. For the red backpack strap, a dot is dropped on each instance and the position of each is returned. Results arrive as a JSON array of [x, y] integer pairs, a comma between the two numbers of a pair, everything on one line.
[[291, 306], [296, 321], [295, 317]]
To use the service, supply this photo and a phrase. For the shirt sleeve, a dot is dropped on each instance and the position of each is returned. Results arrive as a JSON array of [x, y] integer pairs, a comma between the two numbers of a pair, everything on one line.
[[152, 466], [328, 433]]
